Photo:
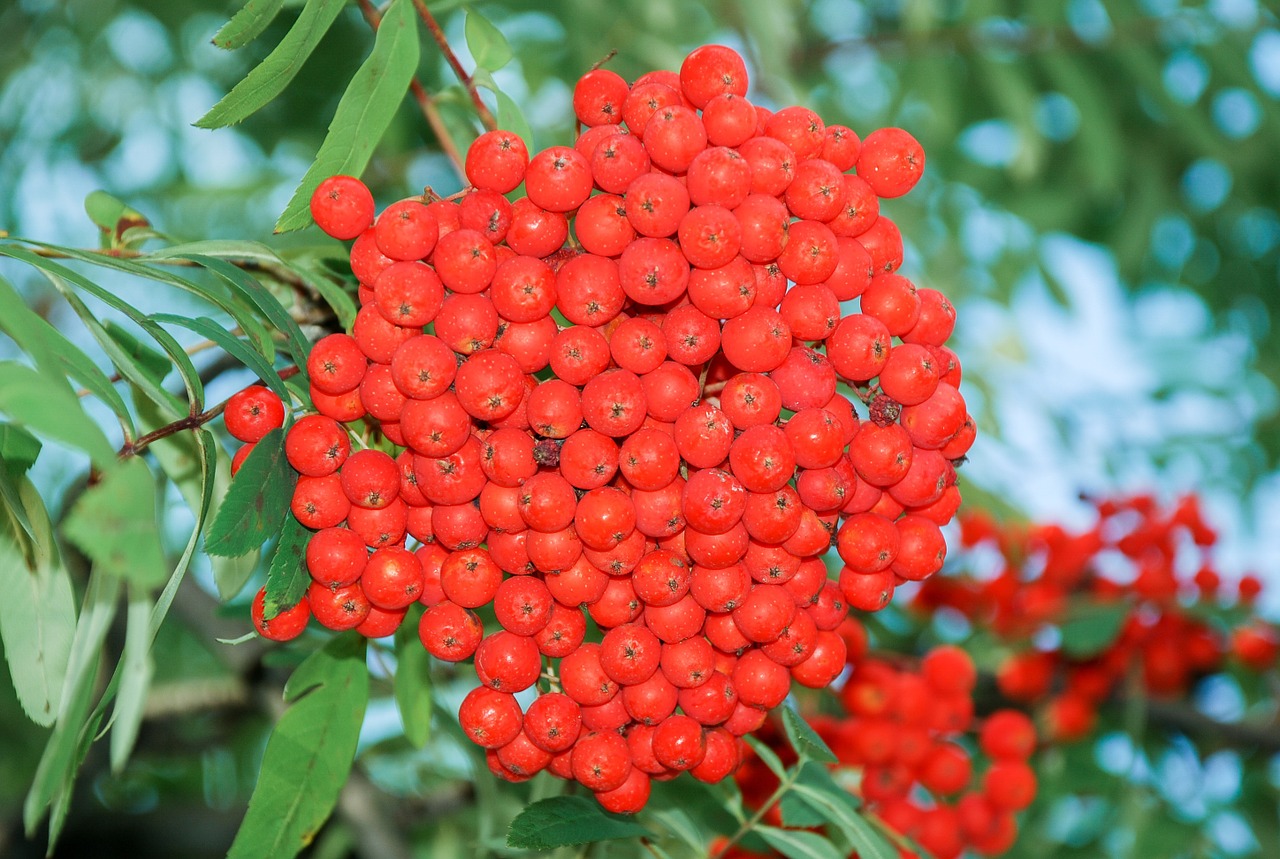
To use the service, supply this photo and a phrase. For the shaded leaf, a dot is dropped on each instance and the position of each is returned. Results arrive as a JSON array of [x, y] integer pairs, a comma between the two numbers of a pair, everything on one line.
[[287, 577], [839, 809], [1091, 628], [144, 358], [364, 112], [18, 449], [114, 523], [562, 820], [37, 624], [135, 669], [489, 48], [113, 216], [767, 755], [804, 739], [798, 845], [256, 503], [247, 24], [63, 750], [270, 77], [29, 399], [413, 685], [232, 345], [309, 754]]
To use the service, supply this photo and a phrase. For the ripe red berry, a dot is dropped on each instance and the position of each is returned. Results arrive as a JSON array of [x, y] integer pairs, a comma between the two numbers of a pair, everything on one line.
[[342, 206]]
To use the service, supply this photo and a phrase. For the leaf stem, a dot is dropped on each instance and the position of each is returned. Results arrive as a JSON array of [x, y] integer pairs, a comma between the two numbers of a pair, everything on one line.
[[486, 116], [426, 103], [750, 823]]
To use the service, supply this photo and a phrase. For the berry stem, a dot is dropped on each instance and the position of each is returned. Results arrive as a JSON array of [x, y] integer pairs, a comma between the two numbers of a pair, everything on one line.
[[426, 103], [486, 116]]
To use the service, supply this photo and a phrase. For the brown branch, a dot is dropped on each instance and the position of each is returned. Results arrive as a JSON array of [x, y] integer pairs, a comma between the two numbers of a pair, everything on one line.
[[486, 116], [197, 419], [426, 103]]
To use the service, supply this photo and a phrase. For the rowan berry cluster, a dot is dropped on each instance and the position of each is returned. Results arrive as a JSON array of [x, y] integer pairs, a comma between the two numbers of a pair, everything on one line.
[[631, 391], [1137, 559], [906, 747]]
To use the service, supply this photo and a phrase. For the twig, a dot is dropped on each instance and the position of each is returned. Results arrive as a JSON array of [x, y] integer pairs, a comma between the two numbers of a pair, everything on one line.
[[486, 116], [197, 419], [426, 103], [613, 52]]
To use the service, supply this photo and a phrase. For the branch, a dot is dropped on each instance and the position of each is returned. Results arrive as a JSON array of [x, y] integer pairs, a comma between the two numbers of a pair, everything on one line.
[[191, 421], [425, 102], [486, 116]]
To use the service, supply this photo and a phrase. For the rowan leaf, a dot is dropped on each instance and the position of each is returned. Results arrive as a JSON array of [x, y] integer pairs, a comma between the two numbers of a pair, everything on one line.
[[256, 504], [564, 820]]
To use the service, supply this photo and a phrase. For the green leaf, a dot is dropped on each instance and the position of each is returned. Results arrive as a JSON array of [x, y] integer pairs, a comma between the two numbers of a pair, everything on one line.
[[135, 669], [266, 303], [29, 399], [62, 752], [61, 277], [563, 820], [114, 523], [309, 754], [247, 24], [511, 117], [489, 48], [364, 112], [147, 360], [839, 809], [796, 844], [798, 811], [232, 345], [1091, 628], [113, 216], [287, 577], [37, 624], [18, 449], [804, 739], [270, 77], [256, 503], [413, 685], [767, 755]]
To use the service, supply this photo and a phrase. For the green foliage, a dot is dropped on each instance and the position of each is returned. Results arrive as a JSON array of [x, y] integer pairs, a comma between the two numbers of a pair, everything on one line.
[[565, 820], [804, 739], [365, 111], [270, 77], [257, 501], [287, 576], [1091, 628], [413, 685], [489, 48], [114, 524], [247, 24], [309, 753]]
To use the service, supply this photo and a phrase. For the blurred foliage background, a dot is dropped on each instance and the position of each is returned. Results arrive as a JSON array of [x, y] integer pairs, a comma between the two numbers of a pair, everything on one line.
[[1101, 202]]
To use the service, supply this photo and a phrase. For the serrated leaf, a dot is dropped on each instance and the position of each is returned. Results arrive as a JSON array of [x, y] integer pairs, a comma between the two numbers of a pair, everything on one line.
[[839, 810], [51, 410], [489, 48], [247, 24], [1091, 628], [255, 505], [804, 739], [798, 811], [270, 77], [37, 624], [287, 577], [413, 685], [136, 669], [564, 820], [364, 112], [796, 844], [114, 523], [309, 754], [147, 360]]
